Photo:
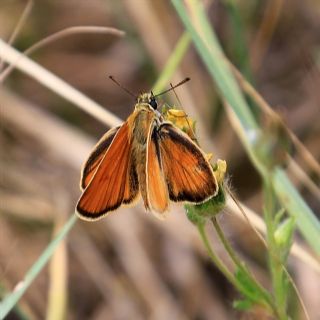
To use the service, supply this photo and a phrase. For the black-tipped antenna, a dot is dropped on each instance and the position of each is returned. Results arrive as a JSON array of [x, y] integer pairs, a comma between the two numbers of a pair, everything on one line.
[[173, 87], [122, 87]]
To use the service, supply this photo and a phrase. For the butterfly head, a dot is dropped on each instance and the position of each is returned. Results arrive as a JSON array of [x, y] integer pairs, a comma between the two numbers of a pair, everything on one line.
[[148, 98]]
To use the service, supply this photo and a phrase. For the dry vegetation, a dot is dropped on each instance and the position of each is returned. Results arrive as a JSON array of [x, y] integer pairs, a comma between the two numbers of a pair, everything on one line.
[[131, 265]]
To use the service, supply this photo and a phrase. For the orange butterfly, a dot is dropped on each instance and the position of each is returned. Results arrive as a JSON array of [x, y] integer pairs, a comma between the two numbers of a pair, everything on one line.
[[145, 156]]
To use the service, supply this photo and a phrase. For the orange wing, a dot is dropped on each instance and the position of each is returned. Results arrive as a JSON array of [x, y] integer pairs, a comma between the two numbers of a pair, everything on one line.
[[96, 156], [114, 181], [188, 174], [157, 189]]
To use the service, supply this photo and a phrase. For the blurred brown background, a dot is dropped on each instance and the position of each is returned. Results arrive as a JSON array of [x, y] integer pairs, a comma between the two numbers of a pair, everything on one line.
[[130, 265]]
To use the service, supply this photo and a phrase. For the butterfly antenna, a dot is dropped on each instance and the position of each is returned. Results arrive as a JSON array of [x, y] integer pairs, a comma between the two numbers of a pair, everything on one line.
[[122, 87], [173, 87]]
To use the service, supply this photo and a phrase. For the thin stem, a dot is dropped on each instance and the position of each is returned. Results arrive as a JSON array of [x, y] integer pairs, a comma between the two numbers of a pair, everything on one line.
[[253, 227], [276, 268], [220, 265], [57, 85], [241, 265], [19, 25], [227, 245], [57, 36]]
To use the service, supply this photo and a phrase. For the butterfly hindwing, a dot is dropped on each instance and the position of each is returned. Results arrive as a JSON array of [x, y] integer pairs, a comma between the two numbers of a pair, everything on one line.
[[188, 174], [157, 190]]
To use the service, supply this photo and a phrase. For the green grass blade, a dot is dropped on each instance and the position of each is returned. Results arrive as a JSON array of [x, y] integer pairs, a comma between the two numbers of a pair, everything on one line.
[[8, 303], [172, 63], [305, 219], [239, 46], [210, 51], [217, 66]]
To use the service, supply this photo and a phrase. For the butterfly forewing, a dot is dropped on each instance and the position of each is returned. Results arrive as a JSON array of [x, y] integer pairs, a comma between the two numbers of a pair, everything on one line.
[[114, 180], [96, 156], [188, 174]]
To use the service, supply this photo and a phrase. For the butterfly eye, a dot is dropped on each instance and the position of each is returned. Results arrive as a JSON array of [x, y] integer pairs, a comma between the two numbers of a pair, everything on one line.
[[153, 103]]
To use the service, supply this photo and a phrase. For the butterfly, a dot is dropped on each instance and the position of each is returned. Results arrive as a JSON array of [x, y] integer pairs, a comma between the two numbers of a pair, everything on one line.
[[146, 156]]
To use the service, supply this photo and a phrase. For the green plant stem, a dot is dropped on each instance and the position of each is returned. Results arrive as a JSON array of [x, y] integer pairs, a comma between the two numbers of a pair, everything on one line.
[[8, 303], [241, 265], [276, 268], [227, 245], [219, 264]]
